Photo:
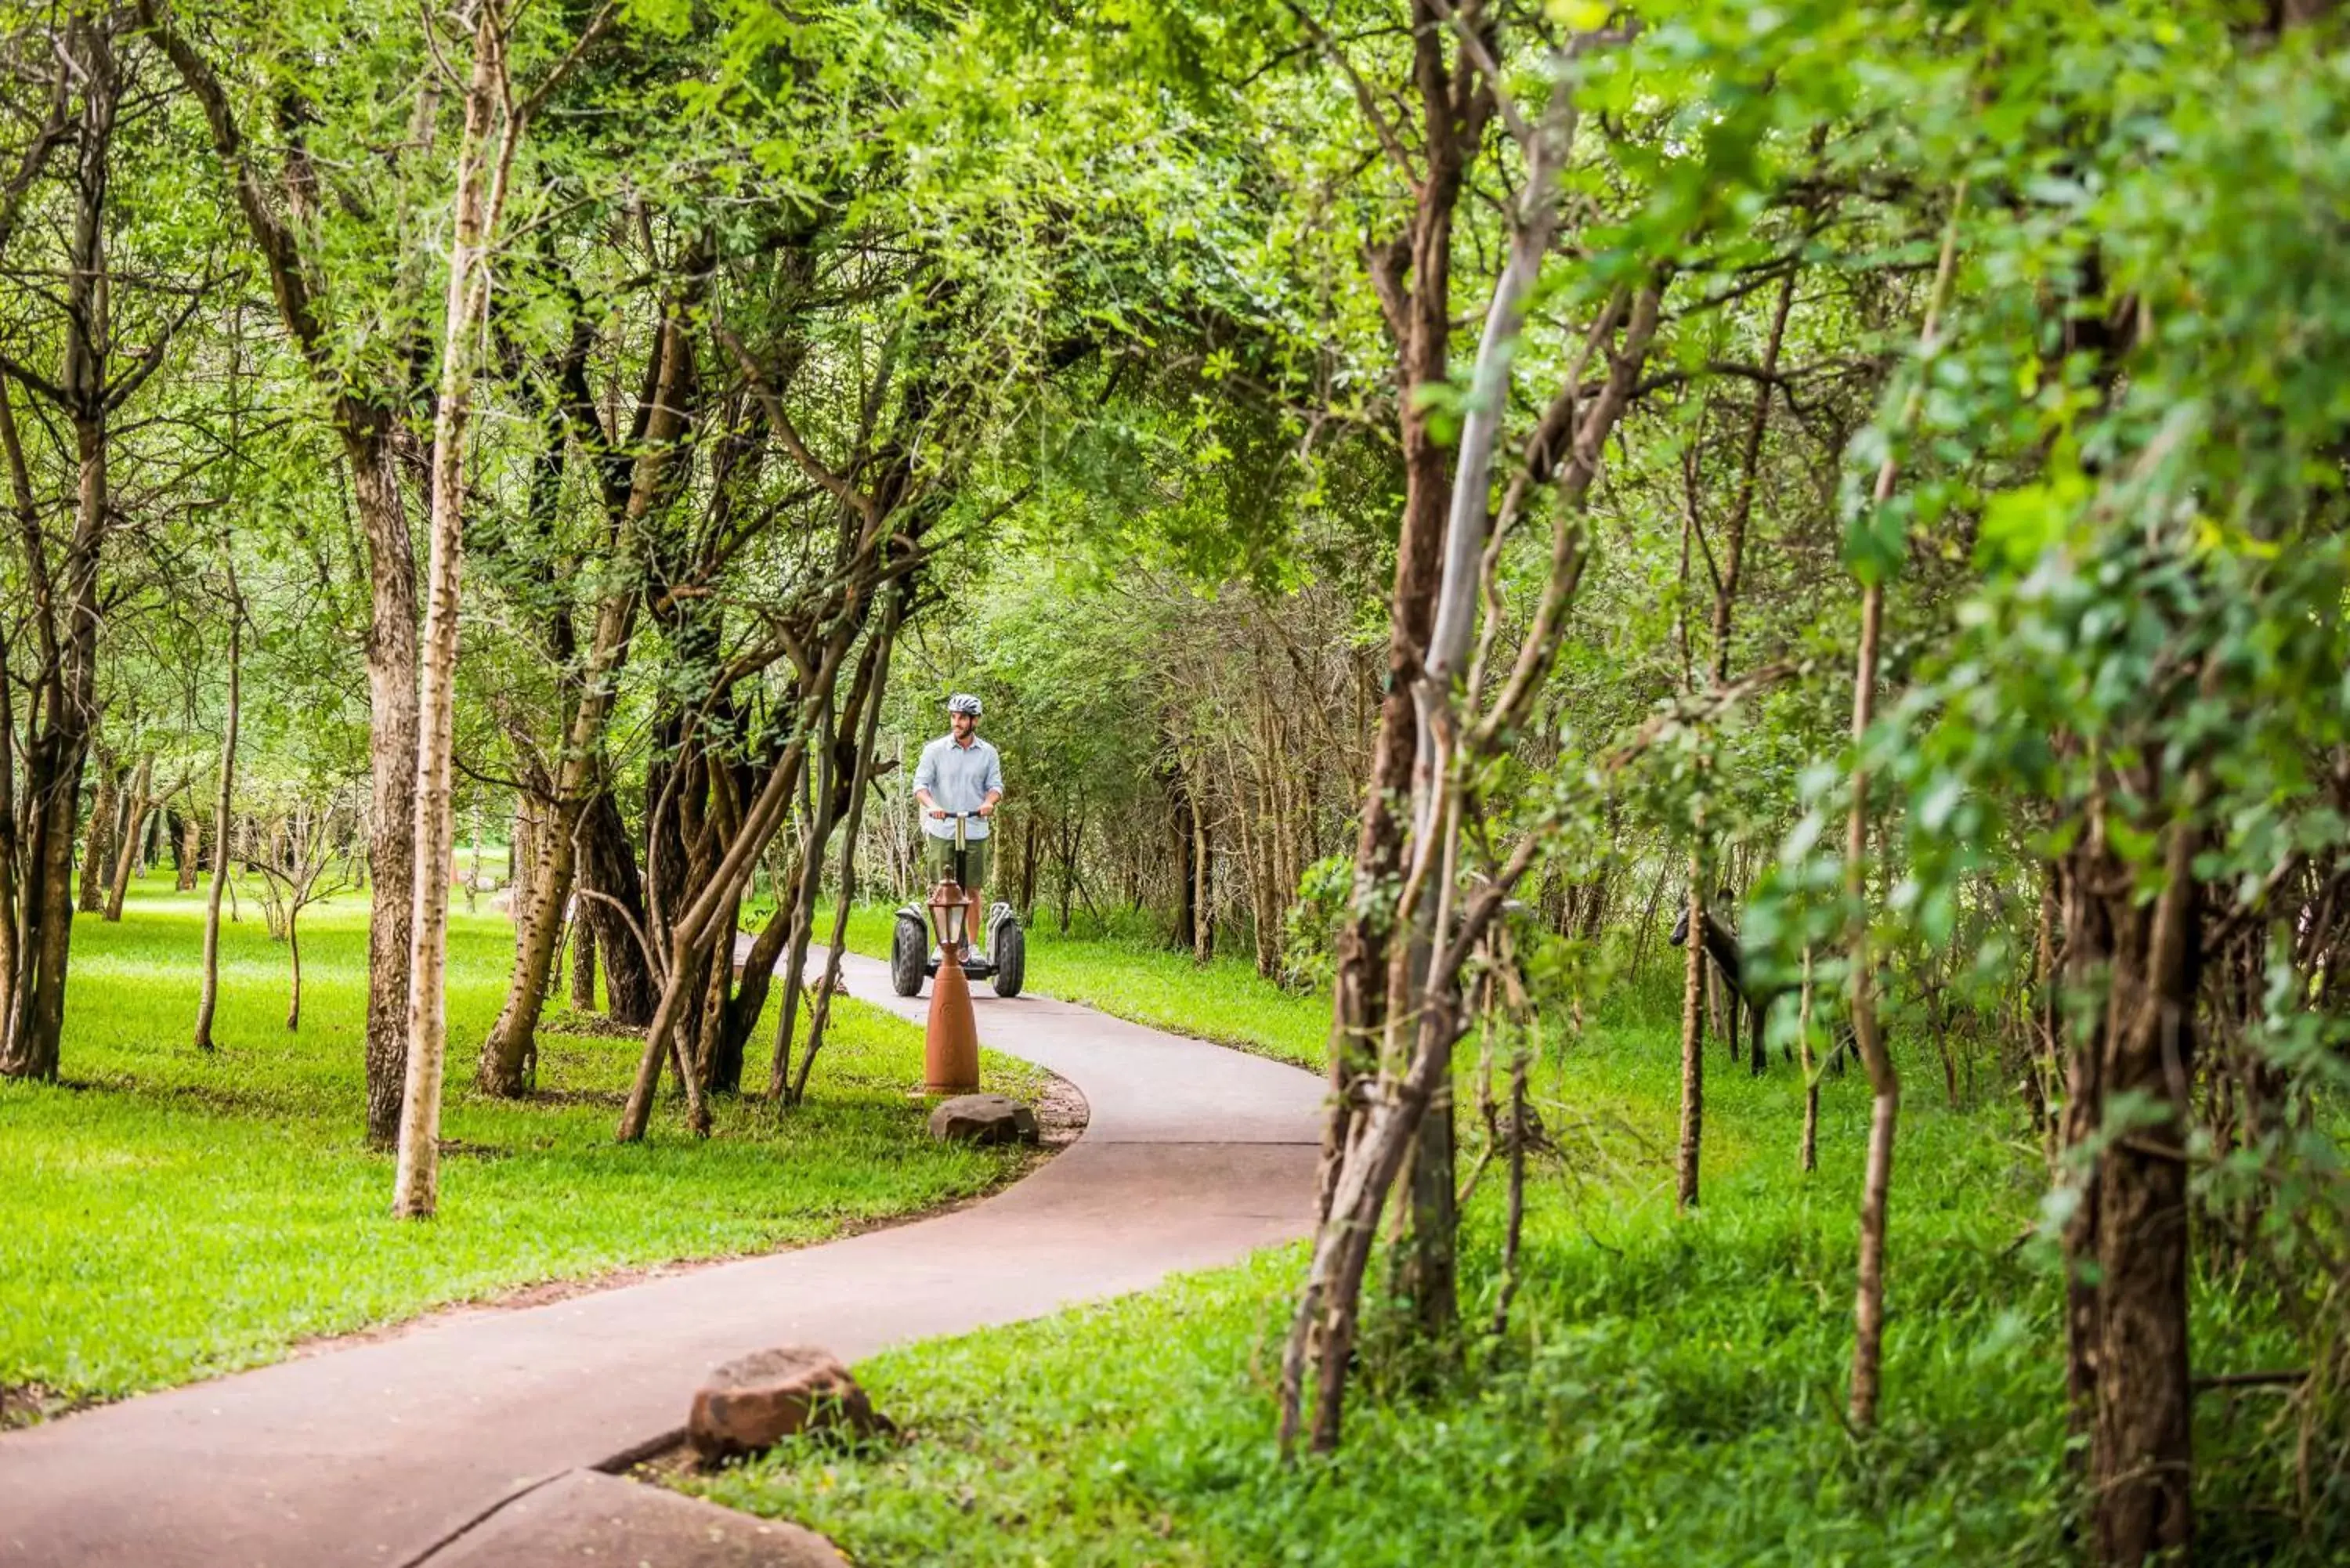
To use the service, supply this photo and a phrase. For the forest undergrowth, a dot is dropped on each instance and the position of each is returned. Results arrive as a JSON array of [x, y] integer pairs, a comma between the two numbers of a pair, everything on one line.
[[174, 1215], [1667, 1390]]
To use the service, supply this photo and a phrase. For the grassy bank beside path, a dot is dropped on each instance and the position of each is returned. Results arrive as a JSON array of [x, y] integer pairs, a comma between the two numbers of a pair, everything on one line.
[[166, 1215], [1670, 1390], [1144, 981]]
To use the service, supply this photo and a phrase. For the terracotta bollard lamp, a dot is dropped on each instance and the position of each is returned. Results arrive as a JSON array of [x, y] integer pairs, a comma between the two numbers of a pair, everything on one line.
[[951, 1038]]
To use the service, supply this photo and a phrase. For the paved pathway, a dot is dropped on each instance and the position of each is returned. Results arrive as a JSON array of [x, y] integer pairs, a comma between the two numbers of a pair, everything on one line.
[[387, 1453]]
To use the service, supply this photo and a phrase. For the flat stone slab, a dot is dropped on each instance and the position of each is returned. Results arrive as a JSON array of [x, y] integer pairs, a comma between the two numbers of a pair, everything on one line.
[[583, 1519]]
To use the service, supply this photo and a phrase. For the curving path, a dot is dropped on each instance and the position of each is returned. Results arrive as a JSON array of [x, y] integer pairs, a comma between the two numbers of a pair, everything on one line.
[[398, 1452]]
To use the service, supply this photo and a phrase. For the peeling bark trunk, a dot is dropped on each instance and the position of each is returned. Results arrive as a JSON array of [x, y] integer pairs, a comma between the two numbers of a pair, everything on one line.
[[392, 767], [481, 166]]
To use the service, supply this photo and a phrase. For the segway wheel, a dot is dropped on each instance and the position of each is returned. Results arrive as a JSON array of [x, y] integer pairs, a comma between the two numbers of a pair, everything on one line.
[[1011, 957], [908, 954]]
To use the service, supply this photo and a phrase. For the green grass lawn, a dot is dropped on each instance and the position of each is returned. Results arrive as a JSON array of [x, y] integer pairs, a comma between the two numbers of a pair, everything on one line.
[[169, 1215], [1669, 1391]]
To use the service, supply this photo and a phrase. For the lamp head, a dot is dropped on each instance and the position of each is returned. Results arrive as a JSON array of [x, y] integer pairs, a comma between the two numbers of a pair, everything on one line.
[[950, 915]]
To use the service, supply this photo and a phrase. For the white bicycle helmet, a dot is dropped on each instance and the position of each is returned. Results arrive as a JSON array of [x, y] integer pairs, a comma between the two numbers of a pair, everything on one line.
[[964, 703]]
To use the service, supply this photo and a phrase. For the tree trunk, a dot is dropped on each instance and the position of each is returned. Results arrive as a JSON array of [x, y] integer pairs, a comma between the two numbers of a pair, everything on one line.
[[1807, 1153], [830, 797], [608, 866], [210, 998], [1411, 276], [583, 961], [1692, 1139], [1204, 917], [691, 939], [512, 1040], [10, 849], [37, 1031], [97, 843], [1422, 974], [1186, 934], [30, 1045], [189, 862], [2141, 1443], [134, 841], [1884, 1081], [2126, 1244], [481, 189], [294, 961], [1027, 864], [861, 781], [538, 901], [364, 423], [391, 770]]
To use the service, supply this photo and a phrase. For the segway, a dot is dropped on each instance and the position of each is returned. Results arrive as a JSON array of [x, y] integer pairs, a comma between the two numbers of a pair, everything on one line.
[[913, 957]]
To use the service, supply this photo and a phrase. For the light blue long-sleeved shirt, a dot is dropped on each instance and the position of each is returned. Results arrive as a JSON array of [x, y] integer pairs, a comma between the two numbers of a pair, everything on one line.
[[959, 779]]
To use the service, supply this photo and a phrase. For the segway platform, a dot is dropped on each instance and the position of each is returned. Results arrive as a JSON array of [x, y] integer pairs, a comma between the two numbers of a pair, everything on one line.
[[913, 957]]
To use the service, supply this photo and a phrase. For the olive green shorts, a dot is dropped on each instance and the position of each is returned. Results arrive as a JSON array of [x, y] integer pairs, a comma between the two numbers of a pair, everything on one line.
[[938, 856]]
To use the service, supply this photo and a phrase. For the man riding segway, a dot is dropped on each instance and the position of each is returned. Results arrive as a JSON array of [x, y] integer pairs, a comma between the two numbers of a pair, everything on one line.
[[957, 783]]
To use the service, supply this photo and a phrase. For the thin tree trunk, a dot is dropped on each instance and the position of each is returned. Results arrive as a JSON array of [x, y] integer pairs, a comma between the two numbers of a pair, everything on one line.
[[1412, 278], [134, 842], [1513, 1222], [1204, 909], [210, 998], [799, 901], [294, 957], [1884, 1081], [9, 848], [1692, 1137], [583, 961], [690, 939], [97, 843], [1808, 1155], [861, 781], [191, 859], [481, 168], [607, 868], [391, 657]]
